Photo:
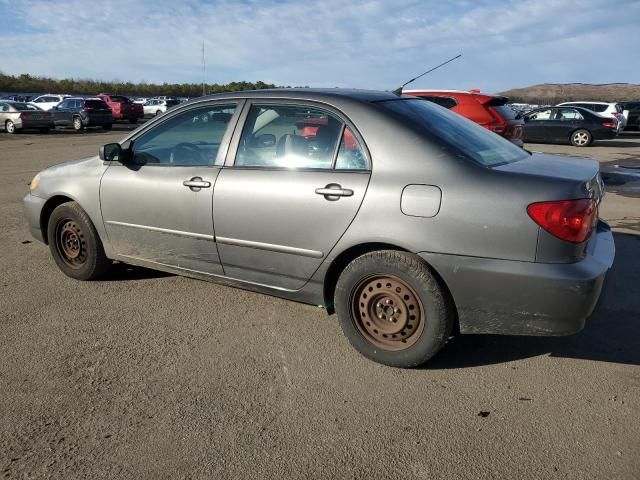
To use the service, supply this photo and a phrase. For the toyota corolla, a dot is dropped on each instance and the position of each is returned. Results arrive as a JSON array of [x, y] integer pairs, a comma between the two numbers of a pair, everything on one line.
[[409, 221]]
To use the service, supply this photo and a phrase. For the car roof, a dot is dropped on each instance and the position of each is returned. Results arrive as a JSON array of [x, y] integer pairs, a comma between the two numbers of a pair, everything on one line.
[[587, 102], [306, 94]]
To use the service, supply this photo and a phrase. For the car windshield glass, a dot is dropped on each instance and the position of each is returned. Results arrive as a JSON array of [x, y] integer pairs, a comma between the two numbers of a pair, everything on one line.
[[171, 103], [119, 99], [22, 107], [455, 132]]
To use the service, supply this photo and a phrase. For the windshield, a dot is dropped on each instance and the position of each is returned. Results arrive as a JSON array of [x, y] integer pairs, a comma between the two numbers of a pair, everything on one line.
[[506, 112], [119, 99], [458, 133]]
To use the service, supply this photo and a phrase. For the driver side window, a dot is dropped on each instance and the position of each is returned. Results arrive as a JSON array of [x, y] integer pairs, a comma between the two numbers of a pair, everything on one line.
[[190, 138]]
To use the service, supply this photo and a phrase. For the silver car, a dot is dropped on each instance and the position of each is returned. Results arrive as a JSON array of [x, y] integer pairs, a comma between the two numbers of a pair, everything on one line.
[[15, 116], [409, 221]]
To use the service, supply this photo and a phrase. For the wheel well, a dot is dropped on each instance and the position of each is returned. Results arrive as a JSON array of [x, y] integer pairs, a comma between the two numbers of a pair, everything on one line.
[[342, 260], [47, 209], [346, 257]]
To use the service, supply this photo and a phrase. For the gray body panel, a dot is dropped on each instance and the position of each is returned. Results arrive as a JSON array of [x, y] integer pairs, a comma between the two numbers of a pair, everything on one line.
[[267, 229]]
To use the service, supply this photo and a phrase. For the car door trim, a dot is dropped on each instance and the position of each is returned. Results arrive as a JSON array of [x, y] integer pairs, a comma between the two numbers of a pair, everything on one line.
[[270, 246], [181, 233]]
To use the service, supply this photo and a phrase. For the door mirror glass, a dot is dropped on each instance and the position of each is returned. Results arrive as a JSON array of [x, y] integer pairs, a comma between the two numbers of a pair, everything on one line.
[[111, 152]]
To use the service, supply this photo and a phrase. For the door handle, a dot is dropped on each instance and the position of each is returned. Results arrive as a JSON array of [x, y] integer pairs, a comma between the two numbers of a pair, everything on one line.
[[196, 183], [334, 190]]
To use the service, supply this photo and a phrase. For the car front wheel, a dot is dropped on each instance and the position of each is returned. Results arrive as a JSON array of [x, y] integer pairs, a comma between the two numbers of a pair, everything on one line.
[[10, 127], [581, 138], [392, 308], [75, 244]]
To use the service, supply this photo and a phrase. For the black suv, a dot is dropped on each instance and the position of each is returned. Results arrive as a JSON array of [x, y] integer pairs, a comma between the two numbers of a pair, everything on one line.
[[81, 113]]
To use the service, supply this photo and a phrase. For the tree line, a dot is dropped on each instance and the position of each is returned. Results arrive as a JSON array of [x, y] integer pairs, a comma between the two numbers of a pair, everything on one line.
[[26, 83]]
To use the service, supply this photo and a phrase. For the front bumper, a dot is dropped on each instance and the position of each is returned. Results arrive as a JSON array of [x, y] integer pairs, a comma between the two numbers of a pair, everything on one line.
[[526, 298], [32, 212]]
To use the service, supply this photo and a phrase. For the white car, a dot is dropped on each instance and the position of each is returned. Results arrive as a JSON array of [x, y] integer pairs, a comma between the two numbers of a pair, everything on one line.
[[48, 101], [156, 106], [613, 110]]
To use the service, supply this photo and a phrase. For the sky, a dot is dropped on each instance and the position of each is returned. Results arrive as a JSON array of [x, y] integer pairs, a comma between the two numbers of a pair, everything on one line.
[[377, 44]]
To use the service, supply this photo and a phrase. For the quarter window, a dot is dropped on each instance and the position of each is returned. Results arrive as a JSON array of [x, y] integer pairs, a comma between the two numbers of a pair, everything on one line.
[[288, 136], [350, 154], [189, 138]]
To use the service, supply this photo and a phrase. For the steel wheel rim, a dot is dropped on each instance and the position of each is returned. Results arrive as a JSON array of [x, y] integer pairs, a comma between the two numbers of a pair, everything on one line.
[[387, 312], [71, 243], [580, 138]]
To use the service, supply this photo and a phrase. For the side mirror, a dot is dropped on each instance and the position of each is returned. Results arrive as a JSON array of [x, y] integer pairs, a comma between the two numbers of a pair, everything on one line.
[[265, 140], [111, 152]]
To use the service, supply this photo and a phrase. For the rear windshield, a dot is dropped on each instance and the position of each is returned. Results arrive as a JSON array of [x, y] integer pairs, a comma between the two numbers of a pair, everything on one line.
[[95, 104], [23, 107], [506, 112], [119, 99], [456, 132]]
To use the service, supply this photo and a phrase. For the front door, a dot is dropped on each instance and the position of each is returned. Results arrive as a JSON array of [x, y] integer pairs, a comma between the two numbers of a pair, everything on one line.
[[294, 186], [537, 125], [62, 113], [158, 206]]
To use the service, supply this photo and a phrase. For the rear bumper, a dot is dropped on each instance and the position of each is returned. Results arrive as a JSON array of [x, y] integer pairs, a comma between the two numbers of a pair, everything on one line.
[[526, 298], [32, 212], [25, 123], [605, 134]]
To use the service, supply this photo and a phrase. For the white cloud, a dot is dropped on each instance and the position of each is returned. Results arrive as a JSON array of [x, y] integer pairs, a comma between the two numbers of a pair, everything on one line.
[[369, 44]]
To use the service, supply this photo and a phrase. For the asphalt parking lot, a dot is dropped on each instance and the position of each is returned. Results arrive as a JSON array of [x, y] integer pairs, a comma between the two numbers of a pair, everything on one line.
[[149, 375]]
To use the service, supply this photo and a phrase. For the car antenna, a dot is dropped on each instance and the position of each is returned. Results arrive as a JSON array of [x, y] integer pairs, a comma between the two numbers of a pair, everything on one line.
[[398, 91]]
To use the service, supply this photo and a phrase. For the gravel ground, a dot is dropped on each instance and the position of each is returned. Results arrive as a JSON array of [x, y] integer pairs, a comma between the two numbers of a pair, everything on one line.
[[148, 375]]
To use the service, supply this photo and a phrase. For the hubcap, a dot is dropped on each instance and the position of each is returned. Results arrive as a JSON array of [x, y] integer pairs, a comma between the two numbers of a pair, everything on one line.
[[10, 127], [70, 243], [581, 138], [387, 312]]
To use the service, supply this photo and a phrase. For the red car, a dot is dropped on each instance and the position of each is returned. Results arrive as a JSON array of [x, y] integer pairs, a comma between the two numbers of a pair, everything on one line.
[[490, 111], [122, 108]]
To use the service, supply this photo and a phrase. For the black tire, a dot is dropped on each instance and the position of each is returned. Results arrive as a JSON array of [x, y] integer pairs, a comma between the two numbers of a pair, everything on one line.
[[413, 281], [75, 244], [581, 138], [158, 112], [109, 126], [44, 130], [77, 124], [10, 127], [133, 121]]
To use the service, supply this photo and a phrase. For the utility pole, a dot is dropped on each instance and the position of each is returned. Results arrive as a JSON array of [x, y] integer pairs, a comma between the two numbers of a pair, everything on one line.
[[203, 71]]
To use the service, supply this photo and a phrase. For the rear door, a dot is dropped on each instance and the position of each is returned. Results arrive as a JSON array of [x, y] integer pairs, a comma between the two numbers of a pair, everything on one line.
[[565, 121], [62, 113], [293, 182]]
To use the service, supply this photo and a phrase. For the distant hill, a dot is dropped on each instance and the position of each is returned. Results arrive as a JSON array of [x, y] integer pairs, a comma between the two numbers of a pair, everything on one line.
[[553, 93]]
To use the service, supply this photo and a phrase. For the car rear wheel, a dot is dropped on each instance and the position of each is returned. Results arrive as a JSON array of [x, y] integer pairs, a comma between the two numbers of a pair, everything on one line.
[[158, 112], [581, 138], [77, 124], [10, 127], [392, 309], [75, 244]]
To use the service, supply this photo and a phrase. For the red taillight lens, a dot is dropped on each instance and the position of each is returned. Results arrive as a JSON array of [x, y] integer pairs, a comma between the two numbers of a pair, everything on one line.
[[569, 220], [609, 124]]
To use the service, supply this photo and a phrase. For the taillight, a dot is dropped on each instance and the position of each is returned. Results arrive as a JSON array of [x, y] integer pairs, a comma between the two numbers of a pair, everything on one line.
[[609, 124], [569, 220]]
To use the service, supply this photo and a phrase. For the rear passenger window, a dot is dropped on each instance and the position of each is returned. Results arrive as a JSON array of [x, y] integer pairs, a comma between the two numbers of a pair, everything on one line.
[[288, 137]]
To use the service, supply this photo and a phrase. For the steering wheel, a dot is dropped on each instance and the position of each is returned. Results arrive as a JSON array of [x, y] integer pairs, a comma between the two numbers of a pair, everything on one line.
[[188, 147]]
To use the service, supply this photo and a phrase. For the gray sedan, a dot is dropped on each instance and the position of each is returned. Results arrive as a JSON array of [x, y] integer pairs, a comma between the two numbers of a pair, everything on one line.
[[16, 116], [409, 221]]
